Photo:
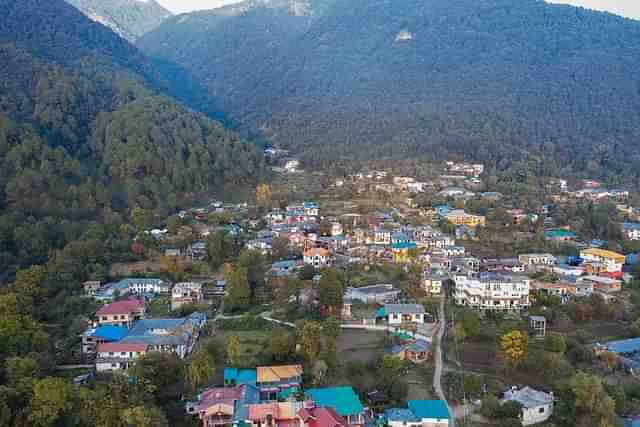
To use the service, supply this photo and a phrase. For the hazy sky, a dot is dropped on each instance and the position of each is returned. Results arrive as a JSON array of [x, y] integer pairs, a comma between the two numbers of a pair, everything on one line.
[[629, 8]]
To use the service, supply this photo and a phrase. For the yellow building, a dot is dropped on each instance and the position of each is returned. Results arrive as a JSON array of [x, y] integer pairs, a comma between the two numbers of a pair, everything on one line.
[[460, 217]]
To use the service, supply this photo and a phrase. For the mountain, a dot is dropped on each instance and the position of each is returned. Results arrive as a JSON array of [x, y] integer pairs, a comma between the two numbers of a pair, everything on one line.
[[500, 81], [88, 137], [128, 18]]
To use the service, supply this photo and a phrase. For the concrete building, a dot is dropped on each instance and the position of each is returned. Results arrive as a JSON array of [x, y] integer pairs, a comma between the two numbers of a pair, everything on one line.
[[537, 406], [373, 294], [491, 291]]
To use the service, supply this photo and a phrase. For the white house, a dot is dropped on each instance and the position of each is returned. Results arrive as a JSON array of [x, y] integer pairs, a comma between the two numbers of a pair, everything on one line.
[[397, 314], [317, 257], [537, 406], [631, 230], [491, 291], [118, 356], [186, 293], [531, 260]]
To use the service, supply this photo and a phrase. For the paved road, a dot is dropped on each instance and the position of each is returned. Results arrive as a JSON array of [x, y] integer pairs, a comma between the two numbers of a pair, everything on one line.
[[437, 377]]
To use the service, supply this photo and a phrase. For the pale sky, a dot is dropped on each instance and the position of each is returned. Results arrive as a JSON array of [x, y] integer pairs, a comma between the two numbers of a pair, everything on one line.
[[628, 8]]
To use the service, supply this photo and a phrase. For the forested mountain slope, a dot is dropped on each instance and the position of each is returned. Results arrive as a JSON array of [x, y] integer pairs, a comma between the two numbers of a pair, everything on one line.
[[498, 80], [85, 136], [128, 18]]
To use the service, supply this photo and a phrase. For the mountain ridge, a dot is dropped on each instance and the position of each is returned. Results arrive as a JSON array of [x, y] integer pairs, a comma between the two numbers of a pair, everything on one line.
[[128, 18], [511, 73]]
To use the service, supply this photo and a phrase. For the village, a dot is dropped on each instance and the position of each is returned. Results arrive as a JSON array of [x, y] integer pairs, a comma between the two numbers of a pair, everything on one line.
[[379, 299]]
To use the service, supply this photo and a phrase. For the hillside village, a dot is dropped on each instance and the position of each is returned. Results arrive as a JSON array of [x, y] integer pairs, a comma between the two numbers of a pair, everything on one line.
[[276, 296]]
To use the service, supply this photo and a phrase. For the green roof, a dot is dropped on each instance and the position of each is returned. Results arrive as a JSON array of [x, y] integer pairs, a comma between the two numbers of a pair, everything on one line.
[[429, 409], [343, 399]]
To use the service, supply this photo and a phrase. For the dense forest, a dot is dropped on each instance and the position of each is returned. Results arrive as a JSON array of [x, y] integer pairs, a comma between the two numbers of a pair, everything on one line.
[[128, 18], [496, 80], [85, 133]]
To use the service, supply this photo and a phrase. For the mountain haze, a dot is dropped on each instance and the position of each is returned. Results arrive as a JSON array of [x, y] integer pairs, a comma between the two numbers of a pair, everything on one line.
[[499, 80], [128, 18]]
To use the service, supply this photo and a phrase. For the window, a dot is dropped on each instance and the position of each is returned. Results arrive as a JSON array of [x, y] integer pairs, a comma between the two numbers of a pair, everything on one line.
[[104, 318], [541, 410]]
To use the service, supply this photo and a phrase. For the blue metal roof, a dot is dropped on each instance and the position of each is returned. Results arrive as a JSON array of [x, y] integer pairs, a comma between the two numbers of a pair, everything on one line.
[[343, 399], [400, 415], [110, 333], [404, 245], [629, 226], [429, 409], [240, 376], [624, 346]]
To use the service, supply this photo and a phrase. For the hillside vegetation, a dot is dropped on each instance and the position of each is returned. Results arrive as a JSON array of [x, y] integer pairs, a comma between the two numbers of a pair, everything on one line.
[[496, 80], [86, 137]]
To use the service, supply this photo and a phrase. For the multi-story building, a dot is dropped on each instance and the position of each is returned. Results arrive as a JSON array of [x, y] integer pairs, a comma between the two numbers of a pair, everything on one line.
[[186, 293], [118, 356], [317, 257], [491, 291], [612, 261], [121, 313], [460, 217], [535, 260], [278, 382], [433, 282], [631, 230]]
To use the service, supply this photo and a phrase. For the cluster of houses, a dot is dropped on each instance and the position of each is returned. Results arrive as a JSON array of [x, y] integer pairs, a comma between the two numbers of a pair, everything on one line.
[[121, 333], [274, 396], [179, 294]]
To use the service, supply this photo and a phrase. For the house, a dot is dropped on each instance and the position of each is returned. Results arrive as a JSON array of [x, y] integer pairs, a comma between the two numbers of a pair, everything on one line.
[[538, 326], [93, 337], [90, 287], [612, 261], [121, 313], [284, 268], [559, 235], [373, 294], [118, 356], [432, 283], [453, 251], [224, 406], [274, 414], [317, 257], [341, 399], [311, 208], [144, 286], [402, 252], [235, 376], [396, 314], [318, 416], [460, 217], [264, 246], [336, 229], [432, 413], [631, 230], [401, 417], [535, 260], [186, 293], [602, 284], [491, 291], [177, 336], [416, 351], [580, 289], [519, 216], [292, 166], [278, 382], [537, 406]]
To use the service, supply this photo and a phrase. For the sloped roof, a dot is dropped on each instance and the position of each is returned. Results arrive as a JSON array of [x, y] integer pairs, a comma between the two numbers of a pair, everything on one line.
[[429, 409], [117, 347], [343, 399], [240, 376], [401, 309], [121, 307], [528, 397], [400, 415], [321, 417], [110, 332], [267, 374]]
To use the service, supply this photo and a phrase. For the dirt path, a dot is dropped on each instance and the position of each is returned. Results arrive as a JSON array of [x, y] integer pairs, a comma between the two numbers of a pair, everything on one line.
[[437, 376]]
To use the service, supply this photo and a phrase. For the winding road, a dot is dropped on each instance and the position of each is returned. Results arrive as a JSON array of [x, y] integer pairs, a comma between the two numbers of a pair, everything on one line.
[[437, 376]]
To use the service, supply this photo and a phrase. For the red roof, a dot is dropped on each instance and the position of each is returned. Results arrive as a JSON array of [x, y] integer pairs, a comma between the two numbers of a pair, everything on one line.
[[121, 307], [321, 417], [117, 347]]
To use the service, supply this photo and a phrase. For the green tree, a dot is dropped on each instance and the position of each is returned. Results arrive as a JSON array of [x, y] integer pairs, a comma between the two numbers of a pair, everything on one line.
[[144, 416], [234, 350], [280, 344], [238, 291], [51, 399], [220, 247], [308, 339], [331, 290], [555, 343], [200, 369]]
